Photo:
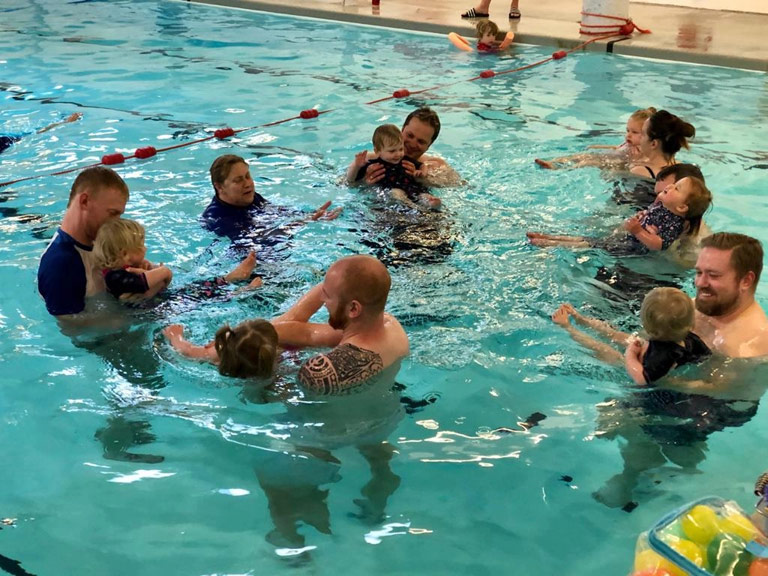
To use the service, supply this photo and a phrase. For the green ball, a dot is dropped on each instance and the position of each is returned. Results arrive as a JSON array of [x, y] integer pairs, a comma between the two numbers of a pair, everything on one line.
[[727, 556]]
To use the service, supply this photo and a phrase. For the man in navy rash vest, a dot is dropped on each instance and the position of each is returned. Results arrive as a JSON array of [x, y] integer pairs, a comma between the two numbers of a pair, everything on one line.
[[240, 213], [67, 273]]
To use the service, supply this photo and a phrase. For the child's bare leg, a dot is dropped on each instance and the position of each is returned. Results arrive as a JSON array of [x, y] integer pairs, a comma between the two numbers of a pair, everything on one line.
[[539, 239], [578, 159], [243, 270], [599, 326], [601, 349], [400, 196]]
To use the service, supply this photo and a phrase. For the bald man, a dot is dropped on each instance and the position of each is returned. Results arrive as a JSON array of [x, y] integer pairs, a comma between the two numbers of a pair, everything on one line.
[[354, 292]]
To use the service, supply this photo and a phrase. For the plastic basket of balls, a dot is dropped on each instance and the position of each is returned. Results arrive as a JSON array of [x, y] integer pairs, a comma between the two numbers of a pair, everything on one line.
[[708, 537]]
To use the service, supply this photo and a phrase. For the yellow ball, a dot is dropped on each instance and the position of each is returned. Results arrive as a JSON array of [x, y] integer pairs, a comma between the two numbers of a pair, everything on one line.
[[690, 550], [739, 525], [648, 560], [700, 524]]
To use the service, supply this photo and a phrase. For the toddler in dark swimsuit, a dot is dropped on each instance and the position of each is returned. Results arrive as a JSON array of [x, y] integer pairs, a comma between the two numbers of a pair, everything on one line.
[[667, 315], [678, 209], [119, 249], [388, 151]]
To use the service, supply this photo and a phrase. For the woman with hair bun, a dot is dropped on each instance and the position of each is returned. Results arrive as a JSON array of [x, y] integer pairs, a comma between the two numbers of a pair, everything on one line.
[[663, 136]]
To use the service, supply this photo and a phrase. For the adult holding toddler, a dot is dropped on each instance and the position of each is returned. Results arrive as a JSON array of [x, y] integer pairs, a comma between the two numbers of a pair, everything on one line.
[[68, 272], [420, 130], [389, 151], [678, 210]]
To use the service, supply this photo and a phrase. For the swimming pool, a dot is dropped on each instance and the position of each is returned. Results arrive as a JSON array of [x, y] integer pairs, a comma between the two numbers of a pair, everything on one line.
[[470, 498]]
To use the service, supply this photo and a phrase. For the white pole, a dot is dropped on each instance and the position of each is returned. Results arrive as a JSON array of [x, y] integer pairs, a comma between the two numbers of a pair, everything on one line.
[[598, 25]]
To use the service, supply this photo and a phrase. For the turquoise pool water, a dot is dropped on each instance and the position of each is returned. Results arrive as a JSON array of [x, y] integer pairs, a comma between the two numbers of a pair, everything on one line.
[[471, 498]]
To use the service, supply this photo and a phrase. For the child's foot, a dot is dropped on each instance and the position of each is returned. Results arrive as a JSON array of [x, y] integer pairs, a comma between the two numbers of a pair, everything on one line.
[[430, 202], [562, 316], [474, 13], [243, 270], [544, 164], [255, 283], [514, 14]]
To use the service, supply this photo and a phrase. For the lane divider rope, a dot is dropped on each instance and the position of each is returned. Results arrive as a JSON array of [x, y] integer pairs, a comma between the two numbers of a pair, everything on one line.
[[227, 132]]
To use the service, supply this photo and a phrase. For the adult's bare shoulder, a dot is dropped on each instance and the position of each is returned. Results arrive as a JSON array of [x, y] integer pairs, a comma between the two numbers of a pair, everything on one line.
[[440, 174], [341, 368], [399, 344], [743, 337]]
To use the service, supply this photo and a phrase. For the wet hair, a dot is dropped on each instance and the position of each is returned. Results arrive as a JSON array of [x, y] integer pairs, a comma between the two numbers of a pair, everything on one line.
[[680, 171], [115, 237], [671, 131], [386, 135], [642, 114], [486, 27], [746, 252], [365, 279], [428, 116], [698, 201], [221, 168], [248, 350], [96, 179], [667, 314]]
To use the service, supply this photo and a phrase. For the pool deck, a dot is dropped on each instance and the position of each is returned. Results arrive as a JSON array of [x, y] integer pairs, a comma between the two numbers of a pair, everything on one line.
[[717, 37]]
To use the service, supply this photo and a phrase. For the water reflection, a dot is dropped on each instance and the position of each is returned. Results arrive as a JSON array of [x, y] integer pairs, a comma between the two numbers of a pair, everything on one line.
[[295, 473], [671, 424]]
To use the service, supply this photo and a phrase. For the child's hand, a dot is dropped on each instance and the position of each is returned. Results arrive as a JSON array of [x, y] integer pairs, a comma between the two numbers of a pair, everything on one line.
[[632, 225], [174, 333], [361, 159], [634, 349]]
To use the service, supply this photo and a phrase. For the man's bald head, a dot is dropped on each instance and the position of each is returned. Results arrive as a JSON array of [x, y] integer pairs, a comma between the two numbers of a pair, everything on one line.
[[365, 279]]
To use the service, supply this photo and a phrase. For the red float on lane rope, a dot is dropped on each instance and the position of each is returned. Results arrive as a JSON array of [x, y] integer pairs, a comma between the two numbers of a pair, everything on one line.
[[311, 113], [487, 74], [401, 93], [223, 133], [109, 159], [560, 54], [146, 152]]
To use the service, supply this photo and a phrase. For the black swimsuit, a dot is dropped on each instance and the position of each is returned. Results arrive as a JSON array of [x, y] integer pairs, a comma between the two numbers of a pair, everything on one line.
[[395, 176]]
